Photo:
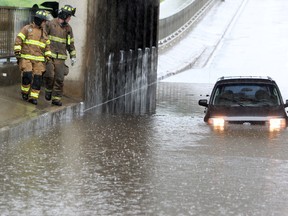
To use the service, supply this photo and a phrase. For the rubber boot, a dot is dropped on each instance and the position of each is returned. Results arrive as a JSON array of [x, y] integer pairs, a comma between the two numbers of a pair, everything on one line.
[[48, 95], [33, 101], [25, 84], [25, 96], [56, 102]]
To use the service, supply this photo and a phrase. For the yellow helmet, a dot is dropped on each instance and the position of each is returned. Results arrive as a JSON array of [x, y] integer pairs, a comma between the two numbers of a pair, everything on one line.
[[42, 14], [66, 11]]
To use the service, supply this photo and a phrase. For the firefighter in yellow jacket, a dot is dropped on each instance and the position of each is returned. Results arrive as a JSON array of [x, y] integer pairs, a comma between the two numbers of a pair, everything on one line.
[[32, 50], [62, 41]]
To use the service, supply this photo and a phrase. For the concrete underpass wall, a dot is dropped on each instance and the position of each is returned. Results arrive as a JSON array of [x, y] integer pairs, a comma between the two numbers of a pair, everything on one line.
[[121, 56]]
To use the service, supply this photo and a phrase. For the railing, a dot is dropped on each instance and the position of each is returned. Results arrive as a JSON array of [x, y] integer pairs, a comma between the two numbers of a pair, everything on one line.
[[11, 21]]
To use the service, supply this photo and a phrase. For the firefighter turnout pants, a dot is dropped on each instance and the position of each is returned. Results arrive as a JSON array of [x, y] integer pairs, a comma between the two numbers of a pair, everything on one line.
[[31, 77], [56, 70]]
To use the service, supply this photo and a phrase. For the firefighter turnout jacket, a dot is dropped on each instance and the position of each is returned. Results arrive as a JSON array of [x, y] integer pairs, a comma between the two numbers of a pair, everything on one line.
[[62, 40], [32, 43], [32, 49]]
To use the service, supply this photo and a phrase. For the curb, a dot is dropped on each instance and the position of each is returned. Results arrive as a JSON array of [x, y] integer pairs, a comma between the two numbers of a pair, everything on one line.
[[34, 126]]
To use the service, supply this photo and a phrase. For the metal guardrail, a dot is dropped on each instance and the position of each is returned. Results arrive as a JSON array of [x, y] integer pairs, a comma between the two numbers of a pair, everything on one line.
[[11, 21]]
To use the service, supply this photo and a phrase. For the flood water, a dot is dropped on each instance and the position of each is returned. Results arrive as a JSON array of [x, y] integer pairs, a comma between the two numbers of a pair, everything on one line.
[[170, 163]]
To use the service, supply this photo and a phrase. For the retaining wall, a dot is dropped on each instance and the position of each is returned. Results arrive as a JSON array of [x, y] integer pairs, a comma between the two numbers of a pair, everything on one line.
[[171, 28]]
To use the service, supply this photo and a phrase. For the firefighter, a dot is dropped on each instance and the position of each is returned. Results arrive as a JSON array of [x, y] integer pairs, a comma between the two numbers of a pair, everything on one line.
[[32, 50], [62, 41]]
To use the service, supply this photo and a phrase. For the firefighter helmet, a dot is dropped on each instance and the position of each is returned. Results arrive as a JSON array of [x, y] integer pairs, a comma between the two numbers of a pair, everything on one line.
[[66, 11], [40, 16]]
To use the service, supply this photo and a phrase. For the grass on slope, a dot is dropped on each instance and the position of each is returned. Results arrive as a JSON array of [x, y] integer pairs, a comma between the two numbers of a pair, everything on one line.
[[22, 3]]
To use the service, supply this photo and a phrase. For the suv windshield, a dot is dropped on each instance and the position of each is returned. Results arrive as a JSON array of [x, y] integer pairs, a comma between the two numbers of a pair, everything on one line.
[[242, 94]]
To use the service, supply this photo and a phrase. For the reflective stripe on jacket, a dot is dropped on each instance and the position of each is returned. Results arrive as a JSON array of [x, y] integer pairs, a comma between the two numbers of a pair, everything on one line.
[[33, 43]]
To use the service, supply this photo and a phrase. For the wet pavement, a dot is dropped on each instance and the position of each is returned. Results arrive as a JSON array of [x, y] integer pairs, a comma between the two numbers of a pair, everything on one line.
[[19, 118], [13, 108]]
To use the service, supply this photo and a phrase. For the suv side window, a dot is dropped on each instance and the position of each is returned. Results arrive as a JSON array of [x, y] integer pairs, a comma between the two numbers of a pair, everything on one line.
[[275, 95]]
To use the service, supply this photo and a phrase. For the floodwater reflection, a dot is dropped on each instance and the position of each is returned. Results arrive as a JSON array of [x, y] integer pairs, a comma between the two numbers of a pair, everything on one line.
[[170, 163]]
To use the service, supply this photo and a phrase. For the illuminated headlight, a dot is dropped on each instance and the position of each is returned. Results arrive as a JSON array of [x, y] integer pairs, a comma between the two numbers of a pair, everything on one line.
[[277, 123], [217, 122]]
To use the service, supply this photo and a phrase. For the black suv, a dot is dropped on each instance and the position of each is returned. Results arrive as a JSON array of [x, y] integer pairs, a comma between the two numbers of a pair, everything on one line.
[[252, 100]]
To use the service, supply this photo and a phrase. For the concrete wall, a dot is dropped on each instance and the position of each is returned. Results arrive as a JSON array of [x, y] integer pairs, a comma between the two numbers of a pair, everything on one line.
[[173, 28], [9, 74], [120, 41], [171, 24]]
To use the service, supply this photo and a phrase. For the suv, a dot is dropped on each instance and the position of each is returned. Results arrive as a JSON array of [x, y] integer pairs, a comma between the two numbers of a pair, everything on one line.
[[251, 100]]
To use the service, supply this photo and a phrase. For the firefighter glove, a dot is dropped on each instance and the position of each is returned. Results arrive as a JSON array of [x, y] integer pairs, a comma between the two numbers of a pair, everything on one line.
[[73, 61], [17, 54], [48, 58]]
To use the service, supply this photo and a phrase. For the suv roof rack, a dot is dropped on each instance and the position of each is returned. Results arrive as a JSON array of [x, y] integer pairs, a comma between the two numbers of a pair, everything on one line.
[[245, 77]]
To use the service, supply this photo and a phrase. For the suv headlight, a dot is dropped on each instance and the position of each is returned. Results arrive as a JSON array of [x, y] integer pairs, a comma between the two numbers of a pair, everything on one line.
[[277, 123], [217, 122]]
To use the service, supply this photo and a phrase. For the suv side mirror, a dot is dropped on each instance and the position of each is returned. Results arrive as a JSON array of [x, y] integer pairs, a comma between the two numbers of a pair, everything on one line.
[[286, 104], [203, 102]]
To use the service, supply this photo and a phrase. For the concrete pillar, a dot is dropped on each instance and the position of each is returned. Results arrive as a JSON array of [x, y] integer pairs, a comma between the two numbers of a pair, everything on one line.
[[120, 58]]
